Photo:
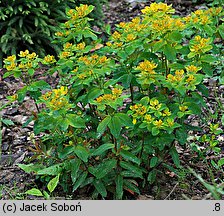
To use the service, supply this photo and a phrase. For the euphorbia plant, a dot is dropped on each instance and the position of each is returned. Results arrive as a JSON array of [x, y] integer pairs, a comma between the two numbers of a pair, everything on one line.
[[120, 109]]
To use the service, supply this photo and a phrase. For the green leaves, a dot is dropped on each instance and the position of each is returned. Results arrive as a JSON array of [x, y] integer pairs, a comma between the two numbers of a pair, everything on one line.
[[75, 121], [136, 170], [115, 126], [130, 157], [82, 153], [115, 123], [175, 156], [103, 125], [102, 149], [99, 185], [119, 187], [52, 170], [53, 183], [34, 192], [103, 169]]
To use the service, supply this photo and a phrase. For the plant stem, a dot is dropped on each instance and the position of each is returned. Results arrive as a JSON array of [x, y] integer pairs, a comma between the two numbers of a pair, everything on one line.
[[132, 94], [38, 110], [143, 144]]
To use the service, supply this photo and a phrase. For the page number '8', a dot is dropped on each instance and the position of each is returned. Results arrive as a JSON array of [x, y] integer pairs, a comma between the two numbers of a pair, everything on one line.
[[217, 207]]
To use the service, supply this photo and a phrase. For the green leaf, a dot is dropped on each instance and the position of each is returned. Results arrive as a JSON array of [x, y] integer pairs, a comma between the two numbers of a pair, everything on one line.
[[125, 119], [175, 156], [102, 126], [155, 131], [99, 185], [152, 176], [65, 152], [131, 185], [129, 156], [221, 31], [7, 122], [144, 101], [31, 167], [53, 183], [135, 169], [221, 162], [119, 187], [209, 30], [87, 181], [75, 165], [176, 66], [131, 174], [94, 93], [158, 45], [207, 68], [52, 170], [103, 169], [79, 181], [100, 150], [126, 79], [153, 161], [46, 195], [170, 52], [21, 94], [34, 192], [176, 36], [208, 58], [31, 71], [203, 89], [41, 84], [75, 121], [82, 153], [115, 126], [181, 135]]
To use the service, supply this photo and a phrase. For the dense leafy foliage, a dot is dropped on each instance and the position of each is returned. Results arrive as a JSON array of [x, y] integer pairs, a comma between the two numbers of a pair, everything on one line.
[[32, 24], [120, 109]]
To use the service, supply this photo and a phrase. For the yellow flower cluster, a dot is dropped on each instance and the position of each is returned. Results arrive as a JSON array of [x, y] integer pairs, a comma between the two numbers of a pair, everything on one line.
[[179, 75], [59, 34], [80, 46], [154, 8], [116, 92], [183, 108], [154, 104], [203, 17], [192, 69], [167, 24], [148, 118], [10, 63], [200, 45], [67, 46], [93, 60], [65, 54], [56, 99], [190, 78], [166, 112], [158, 123], [134, 25], [147, 67], [138, 109], [78, 12], [49, 59]]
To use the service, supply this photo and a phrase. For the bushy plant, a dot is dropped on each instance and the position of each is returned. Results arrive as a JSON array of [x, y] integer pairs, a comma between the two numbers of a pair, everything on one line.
[[120, 109]]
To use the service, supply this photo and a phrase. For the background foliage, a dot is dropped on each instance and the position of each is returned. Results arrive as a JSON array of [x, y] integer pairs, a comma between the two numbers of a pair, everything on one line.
[[32, 24]]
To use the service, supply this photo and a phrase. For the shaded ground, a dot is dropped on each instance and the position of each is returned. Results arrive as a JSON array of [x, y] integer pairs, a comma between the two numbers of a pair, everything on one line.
[[16, 140]]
